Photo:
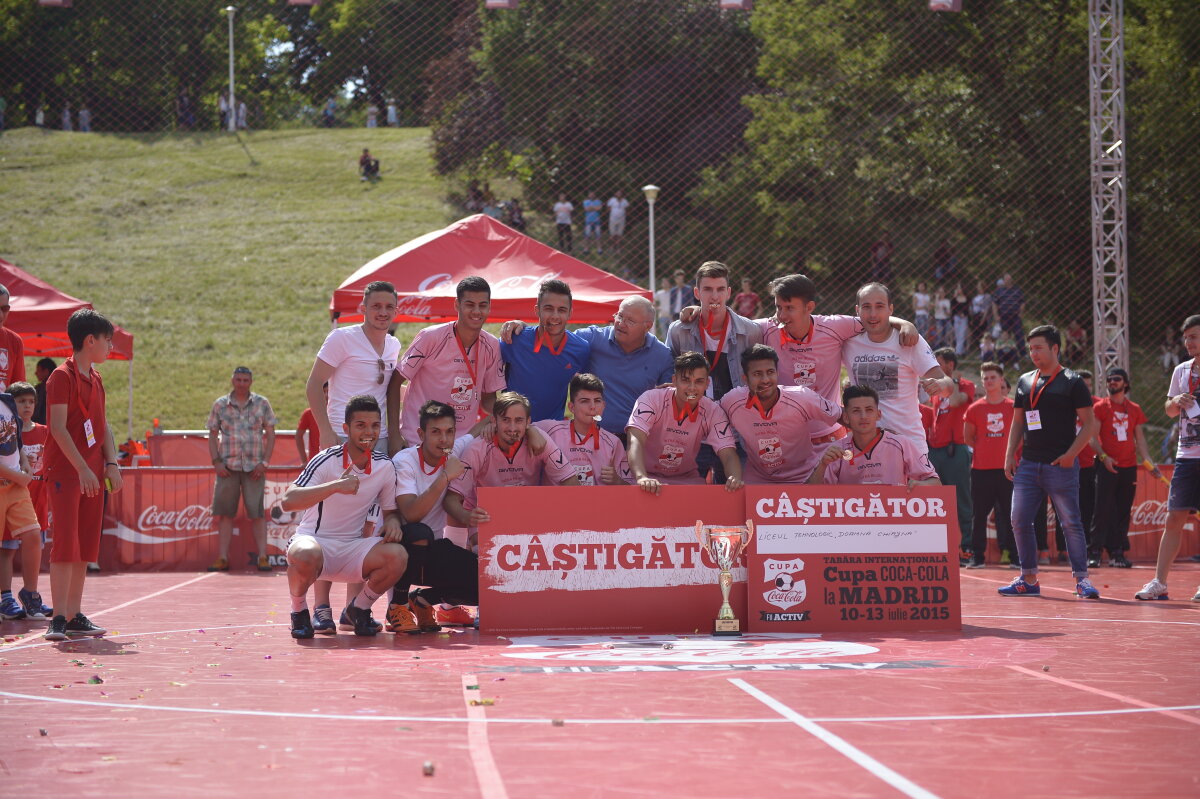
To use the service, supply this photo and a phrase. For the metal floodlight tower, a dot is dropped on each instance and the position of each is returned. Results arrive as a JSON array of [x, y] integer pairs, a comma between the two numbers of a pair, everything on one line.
[[1110, 268]]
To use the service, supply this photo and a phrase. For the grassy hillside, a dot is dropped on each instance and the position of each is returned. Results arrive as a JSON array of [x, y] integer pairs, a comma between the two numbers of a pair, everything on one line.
[[212, 250]]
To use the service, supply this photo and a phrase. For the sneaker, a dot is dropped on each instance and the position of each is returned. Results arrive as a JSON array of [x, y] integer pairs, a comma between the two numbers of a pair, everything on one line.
[[323, 620], [1196, 596], [457, 616], [1093, 562], [10, 610], [400, 619], [219, 565], [976, 563], [302, 626], [345, 622], [32, 602], [82, 626], [1086, 590], [264, 564], [1019, 587], [426, 619], [1120, 562], [1152, 590], [361, 619], [57, 630], [1043, 558], [93, 567]]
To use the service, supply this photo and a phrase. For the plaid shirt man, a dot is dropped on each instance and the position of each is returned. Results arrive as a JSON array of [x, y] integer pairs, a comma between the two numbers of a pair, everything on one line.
[[241, 428]]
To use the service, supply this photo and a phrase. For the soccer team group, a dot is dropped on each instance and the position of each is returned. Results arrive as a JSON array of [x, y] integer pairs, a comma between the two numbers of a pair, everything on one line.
[[407, 438]]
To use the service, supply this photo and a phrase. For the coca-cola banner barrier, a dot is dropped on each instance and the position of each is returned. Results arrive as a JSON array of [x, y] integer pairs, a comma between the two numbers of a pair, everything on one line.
[[603, 559], [162, 521], [849, 558], [191, 449]]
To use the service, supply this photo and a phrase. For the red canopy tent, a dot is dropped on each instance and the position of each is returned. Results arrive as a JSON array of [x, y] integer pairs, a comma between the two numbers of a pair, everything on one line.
[[426, 270], [39, 315]]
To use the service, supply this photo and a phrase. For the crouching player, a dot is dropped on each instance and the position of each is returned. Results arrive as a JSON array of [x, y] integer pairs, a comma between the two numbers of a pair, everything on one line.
[[871, 455], [337, 491]]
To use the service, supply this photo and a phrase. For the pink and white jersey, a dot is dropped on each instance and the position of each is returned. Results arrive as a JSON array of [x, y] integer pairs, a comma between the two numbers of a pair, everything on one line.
[[488, 465], [894, 372], [1186, 380], [814, 361], [590, 456], [673, 442], [891, 460], [778, 446], [343, 516], [435, 369]]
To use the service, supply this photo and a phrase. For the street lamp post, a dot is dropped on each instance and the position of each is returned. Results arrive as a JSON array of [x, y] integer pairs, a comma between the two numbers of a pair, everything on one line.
[[232, 107], [651, 192]]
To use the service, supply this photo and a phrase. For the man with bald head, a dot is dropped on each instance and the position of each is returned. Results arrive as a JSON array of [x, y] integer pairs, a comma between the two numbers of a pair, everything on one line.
[[625, 355]]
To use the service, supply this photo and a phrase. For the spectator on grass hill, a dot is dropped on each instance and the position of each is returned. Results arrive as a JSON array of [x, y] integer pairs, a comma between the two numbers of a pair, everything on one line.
[[591, 223], [681, 294], [242, 116], [372, 116], [881, 259], [514, 217], [327, 115], [1010, 308], [66, 116], [921, 306], [747, 302], [223, 109], [43, 369], [617, 204], [562, 220], [241, 437], [960, 310], [393, 116], [85, 120], [368, 167], [982, 311]]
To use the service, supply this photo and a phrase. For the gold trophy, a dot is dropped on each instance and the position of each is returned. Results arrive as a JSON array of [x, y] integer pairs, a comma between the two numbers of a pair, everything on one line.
[[726, 544]]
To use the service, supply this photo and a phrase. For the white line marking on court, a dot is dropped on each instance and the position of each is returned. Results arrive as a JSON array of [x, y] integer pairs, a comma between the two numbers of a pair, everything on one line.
[[1080, 618], [892, 778], [486, 773], [699, 721], [1129, 700], [114, 636]]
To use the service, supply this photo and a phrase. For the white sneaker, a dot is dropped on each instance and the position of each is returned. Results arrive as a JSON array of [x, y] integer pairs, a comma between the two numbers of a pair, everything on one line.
[[1196, 598], [1152, 590]]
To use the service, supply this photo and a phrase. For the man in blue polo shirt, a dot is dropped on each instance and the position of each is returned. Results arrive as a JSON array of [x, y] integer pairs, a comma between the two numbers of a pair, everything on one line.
[[625, 355], [540, 361]]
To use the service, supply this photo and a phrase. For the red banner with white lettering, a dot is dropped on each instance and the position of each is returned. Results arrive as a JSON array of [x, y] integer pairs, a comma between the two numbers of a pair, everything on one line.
[[849, 558], [603, 558]]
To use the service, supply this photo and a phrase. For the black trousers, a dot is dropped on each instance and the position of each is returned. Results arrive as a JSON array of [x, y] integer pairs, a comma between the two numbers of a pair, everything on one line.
[[1114, 503], [991, 490], [450, 572]]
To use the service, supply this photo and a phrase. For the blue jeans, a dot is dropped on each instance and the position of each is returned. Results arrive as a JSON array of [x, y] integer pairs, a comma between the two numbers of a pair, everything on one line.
[[1032, 483]]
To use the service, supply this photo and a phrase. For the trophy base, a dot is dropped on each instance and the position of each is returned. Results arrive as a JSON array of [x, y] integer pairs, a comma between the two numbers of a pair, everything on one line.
[[727, 627]]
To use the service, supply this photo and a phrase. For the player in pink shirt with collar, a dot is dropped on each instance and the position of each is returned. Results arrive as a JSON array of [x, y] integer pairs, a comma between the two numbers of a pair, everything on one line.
[[773, 421], [668, 425], [513, 455], [457, 363], [597, 455], [871, 455]]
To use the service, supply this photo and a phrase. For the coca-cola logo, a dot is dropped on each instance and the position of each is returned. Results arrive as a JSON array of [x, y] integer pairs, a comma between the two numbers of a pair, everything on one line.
[[191, 518], [1150, 513], [415, 305], [434, 282], [518, 282]]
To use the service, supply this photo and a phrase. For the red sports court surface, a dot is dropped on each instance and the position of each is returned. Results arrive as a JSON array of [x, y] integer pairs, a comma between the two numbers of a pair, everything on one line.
[[204, 694]]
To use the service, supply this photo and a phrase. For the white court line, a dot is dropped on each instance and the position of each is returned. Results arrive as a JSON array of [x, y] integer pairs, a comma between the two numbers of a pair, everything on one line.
[[486, 773], [634, 721], [861, 758], [1080, 618], [112, 637], [1129, 700]]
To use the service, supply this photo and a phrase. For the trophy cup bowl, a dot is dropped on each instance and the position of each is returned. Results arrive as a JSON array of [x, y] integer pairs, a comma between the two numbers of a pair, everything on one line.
[[726, 545]]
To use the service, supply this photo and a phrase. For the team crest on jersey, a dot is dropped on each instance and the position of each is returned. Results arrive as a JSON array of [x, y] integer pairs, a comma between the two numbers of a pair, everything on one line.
[[3, 359], [671, 458], [804, 373], [462, 391], [770, 450], [995, 422], [585, 473]]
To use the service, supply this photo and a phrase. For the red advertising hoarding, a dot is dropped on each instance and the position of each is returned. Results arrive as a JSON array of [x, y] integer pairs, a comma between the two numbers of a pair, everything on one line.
[[852, 558]]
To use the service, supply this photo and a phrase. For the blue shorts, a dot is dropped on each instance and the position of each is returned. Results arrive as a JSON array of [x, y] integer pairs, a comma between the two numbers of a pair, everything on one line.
[[13, 543], [1185, 485]]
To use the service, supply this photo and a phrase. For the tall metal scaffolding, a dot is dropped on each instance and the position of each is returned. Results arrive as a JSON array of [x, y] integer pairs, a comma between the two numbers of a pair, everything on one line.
[[1110, 279]]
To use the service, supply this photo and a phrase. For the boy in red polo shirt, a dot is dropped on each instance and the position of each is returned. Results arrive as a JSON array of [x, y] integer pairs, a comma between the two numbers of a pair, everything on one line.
[[985, 429], [1118, 445], [80, 462]]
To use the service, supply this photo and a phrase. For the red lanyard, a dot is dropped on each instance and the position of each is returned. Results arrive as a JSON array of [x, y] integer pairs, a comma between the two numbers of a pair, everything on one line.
[[707, 331], [866, 453], [543, 338], [84, 408], [1194, 377], [755, 402], [346, 462], [508, 453], [784, 338], [593, 434], [466, 359], [436, 466], [1035, 393], [685, 414]]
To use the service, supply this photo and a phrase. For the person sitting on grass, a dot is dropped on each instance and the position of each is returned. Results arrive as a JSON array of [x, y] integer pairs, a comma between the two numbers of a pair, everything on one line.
[[368, 166]]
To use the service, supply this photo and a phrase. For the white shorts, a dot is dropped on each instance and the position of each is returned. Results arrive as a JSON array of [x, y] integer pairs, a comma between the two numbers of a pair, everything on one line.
[[616, 227], [342, 559]]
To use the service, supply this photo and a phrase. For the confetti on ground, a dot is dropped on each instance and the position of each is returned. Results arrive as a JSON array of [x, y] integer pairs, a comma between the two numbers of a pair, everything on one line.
[[95, 680], [472, 687], [557, 722], [478, 702], [266, 657], [1045, 668], [427, 768], [43, 732]]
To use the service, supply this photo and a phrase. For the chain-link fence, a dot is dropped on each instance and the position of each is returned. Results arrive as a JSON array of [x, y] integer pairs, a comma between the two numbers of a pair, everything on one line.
[[939, 152]]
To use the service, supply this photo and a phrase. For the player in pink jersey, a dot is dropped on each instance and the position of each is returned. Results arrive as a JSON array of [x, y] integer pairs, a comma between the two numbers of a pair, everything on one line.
[[515, 455], [596, 455], [773, 421], [456, 362], [669, 424], [871, 455]]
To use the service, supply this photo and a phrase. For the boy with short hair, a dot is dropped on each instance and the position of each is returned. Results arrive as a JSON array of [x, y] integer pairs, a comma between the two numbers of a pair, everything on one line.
[[16, 509], [871, 455], [80, 461], [33, 438]]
